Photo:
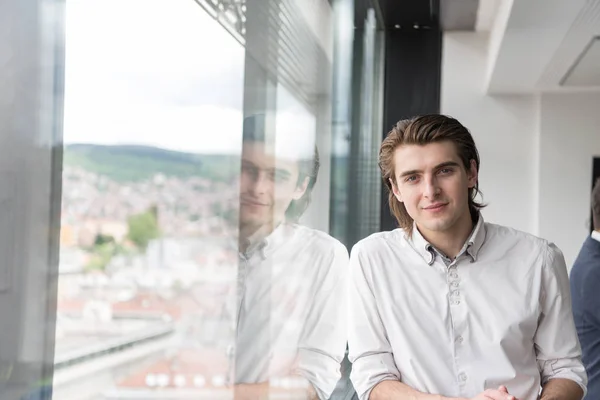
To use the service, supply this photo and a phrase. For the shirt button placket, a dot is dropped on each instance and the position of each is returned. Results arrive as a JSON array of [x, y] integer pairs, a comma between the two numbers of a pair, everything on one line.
[[458, 323]]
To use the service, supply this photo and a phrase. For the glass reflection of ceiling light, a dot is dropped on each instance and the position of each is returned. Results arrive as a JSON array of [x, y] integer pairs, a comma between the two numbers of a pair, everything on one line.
[[199, 381], [286, 383], [162, 380], [180, 381], [231, 17], [151, 380], [215, 2], [218, 381]]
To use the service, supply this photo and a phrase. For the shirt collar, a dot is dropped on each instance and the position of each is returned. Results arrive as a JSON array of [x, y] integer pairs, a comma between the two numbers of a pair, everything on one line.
[[266, 244], [471, 246], [596, 235]]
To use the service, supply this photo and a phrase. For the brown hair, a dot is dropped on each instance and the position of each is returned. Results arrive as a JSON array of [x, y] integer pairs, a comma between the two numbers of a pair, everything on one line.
[[308, 168], [423, 130], [596, 205]]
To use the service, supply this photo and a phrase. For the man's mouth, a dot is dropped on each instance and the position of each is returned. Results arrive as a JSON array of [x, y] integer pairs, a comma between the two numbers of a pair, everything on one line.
[[250, 202], [435, 207]]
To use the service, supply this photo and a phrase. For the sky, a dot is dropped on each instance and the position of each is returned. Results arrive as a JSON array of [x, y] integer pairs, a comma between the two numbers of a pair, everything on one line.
[[154, 72]]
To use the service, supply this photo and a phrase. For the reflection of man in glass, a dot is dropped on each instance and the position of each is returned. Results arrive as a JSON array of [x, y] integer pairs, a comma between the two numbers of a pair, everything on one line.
[[290, 326]]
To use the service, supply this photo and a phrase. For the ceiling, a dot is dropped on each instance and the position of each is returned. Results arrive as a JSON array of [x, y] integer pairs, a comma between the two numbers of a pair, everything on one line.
[[410, 14], [545, 46]]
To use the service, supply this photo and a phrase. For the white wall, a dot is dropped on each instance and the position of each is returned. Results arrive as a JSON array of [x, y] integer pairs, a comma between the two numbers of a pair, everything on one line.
[[505, 130], [570, 138], [536, 150]]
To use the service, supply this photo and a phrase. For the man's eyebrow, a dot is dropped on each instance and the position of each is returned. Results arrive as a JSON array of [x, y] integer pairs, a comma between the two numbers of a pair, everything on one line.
[[439, 166], [447, 164], [282, 172], [277, 171], [410, 172]]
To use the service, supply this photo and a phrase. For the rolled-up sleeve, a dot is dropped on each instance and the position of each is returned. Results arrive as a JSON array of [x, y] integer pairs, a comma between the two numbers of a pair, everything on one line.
[[557, 346], [324, 339], [369, 349]]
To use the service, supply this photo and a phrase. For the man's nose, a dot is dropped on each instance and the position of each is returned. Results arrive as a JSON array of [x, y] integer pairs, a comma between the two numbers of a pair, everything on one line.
[[260, 183], [432, 188]]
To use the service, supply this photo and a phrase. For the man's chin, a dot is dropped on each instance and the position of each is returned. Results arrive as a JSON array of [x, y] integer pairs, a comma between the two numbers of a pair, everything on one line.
[[252, 221], [435, 225]]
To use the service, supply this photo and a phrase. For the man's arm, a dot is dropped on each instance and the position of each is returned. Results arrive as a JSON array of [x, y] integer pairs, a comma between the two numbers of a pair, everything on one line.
[[323, 342], [369, 349], [390, 390], [561, 389], [556, 344]]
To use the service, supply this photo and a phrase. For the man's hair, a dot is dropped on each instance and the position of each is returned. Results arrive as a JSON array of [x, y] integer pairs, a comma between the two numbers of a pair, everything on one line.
[[255, 130], [596, 205], [422, 130]]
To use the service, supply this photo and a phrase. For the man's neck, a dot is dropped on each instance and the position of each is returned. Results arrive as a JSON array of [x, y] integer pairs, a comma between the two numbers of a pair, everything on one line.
[[250, 234], [451, 242]]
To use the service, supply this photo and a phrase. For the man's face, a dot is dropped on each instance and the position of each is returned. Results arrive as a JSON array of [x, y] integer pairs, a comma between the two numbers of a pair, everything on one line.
[[433, 185], [268, 185]]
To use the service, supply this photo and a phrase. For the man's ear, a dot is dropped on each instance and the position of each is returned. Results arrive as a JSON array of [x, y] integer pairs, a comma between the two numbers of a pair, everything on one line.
[[395, 190], [301, 189], [472, 174]]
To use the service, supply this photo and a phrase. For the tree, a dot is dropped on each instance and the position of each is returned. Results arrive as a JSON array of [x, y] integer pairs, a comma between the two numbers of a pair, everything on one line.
[[102, 254], [143, 228], [102, 239]]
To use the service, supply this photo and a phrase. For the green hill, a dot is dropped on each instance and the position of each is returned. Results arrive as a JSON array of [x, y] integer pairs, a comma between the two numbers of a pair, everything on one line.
[[135, 163]]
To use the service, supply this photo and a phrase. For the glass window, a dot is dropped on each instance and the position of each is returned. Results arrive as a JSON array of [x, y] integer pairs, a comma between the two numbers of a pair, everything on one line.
[[189, 156]]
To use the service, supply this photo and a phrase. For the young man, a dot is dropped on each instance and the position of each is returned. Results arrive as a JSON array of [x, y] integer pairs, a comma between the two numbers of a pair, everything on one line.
[[585, 281], [291, 285], [448, 306]]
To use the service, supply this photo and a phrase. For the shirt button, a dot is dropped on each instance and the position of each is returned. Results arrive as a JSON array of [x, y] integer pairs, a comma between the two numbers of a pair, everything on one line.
[[454, 275], [456, 293], [459, 339], [456, 302], [454, 284], [462, 377]]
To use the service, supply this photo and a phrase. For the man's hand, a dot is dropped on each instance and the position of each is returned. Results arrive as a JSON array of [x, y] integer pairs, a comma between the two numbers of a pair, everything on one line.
[[504, 389]]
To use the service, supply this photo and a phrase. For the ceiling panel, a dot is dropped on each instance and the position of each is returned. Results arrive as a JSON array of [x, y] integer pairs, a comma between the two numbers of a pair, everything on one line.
[[571, 53], [586, 70]]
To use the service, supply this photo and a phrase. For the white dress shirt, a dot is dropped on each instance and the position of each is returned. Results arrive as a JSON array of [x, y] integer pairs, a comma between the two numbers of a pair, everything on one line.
[[596, 235], [291, 309], [499, 314]]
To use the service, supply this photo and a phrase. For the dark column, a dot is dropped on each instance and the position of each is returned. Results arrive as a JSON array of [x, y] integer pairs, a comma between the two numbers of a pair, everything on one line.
[[412, 83]]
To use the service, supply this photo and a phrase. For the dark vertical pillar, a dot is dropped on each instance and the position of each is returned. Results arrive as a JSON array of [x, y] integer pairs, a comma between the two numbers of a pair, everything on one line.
[[412, 84], [595, 176]]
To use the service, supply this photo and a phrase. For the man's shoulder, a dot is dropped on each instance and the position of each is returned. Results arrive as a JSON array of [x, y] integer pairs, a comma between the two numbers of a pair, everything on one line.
[[587, 263], [319, 241], [514, 237], [379, 240]]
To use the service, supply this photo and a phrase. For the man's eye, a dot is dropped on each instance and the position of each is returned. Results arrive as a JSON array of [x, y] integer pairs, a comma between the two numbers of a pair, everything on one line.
[[411, 179], [281, 178], [248, 170]]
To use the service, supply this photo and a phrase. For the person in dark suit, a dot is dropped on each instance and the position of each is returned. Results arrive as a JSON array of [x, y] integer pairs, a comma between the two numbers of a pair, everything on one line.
[[585, 283]]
